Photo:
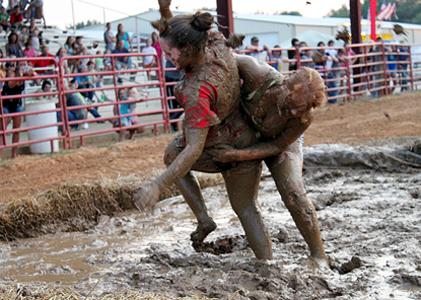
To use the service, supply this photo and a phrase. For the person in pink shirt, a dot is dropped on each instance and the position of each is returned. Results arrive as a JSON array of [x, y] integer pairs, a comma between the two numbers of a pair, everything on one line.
[[157, 46], [29, 51]]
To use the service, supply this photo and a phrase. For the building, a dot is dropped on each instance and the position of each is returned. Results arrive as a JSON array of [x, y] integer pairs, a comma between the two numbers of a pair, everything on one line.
[[276, 29]]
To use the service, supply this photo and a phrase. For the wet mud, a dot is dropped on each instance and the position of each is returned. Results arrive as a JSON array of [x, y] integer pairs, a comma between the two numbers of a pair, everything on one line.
[[369, 213]]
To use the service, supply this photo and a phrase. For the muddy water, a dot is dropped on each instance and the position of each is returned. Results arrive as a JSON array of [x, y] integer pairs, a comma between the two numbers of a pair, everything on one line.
[[370, 220]]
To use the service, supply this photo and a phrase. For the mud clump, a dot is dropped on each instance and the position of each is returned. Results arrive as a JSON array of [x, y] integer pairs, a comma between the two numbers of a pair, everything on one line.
[[222, 245], [349, 266]]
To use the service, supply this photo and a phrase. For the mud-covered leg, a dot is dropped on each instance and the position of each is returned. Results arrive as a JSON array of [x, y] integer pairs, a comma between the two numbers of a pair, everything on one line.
[[242, 186], [190, 189], [286, 170]]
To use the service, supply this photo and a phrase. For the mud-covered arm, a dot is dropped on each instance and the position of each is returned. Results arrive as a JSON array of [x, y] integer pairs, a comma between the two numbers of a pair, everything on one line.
[[195, 139], [293, 130]]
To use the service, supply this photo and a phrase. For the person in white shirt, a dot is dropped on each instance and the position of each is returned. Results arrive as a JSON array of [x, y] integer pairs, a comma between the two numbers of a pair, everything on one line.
[[149, 61]]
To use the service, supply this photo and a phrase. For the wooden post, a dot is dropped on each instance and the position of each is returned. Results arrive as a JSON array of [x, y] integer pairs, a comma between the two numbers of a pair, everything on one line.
[[225, 17]]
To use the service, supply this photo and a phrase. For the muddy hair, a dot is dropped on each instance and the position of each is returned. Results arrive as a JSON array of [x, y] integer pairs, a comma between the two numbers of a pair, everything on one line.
[[308, 91], [186, 30]]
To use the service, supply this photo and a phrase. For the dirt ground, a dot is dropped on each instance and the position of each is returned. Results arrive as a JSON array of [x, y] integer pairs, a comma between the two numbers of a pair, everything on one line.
[[352, 123]]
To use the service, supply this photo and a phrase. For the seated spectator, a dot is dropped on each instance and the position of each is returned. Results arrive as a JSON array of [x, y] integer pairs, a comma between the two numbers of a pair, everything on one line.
[[45, 88], [29, 51], [34, 37], [86, 82], [99, 62], [74, 99], [13, 47], [107, 61], [122, 62], [129, 96], [16, 17], [4, 19], [149, 61], [45, 66], [256, 51], [61, 52], [69, 45]]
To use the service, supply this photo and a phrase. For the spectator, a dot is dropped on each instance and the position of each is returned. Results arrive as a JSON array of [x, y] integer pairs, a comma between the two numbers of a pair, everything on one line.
[[107, 61], [61, 52], [29, 51], [306, 55], [256, 51], [4, 19], [99, 62], [45, 66], [34, 37], [392, 67], [16, 17], [109, 38], [69, 45], [23, 35], [45, 88], [122, 61], [86, 82], [36, 10], [327, 66], [172, 76], [403, 58], [275, 59], [330, 48], [74, 99], [123, 36], [377, 69], [149, 61], [78, 46], [292, 54], [127, 106], [157, 46], [15, 105], [13, 47]]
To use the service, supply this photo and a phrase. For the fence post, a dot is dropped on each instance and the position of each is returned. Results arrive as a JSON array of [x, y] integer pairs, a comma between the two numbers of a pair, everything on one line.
[[3, 123], [385, 71], [298, 58], [65, 128], [411, 70], [348, 72], [164, 99]]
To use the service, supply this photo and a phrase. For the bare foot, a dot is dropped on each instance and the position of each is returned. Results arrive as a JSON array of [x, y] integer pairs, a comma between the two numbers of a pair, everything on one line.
[[202, 231]]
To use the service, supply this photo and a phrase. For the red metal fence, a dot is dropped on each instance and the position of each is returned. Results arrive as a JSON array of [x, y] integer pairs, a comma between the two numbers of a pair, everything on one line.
[[124, 96]]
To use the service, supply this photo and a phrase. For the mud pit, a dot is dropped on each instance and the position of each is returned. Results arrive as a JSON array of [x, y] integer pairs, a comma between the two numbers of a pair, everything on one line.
[[369, 208]]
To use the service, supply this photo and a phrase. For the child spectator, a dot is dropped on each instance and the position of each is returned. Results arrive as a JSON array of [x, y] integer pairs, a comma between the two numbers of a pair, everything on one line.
[[29, 51], [74, 99]]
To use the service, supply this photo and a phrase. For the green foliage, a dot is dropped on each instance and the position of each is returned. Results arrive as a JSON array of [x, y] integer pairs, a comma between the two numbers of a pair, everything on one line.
[[82, 24], [342, 12], [289, 13]]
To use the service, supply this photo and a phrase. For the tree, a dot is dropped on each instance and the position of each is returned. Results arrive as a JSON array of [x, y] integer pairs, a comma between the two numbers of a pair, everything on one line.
[[289, 13], [82, 24], [342, 12]]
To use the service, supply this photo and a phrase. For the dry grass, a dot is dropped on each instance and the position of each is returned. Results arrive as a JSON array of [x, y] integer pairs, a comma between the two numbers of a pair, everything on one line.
[[74, 207], [42, 293]]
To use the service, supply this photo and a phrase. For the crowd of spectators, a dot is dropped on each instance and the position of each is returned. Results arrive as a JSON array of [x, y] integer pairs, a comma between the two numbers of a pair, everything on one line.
[[384, 68]]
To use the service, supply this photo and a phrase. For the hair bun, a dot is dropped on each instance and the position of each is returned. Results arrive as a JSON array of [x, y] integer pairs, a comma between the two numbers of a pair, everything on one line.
[[202, 21]]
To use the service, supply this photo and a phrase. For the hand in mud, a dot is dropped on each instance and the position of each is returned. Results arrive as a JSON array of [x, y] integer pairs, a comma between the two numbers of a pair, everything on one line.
[[224, 153], [146, 197]]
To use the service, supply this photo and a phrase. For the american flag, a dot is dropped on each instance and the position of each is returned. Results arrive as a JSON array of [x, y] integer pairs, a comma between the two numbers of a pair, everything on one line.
[[387, 11]]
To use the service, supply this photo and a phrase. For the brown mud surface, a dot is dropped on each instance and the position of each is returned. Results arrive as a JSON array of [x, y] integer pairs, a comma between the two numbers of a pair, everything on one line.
[[367, 199], [353, 123], [368, 205]]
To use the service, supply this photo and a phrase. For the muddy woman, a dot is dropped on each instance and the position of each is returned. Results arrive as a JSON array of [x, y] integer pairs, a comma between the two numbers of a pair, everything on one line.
[[295, 119], [210, 96]]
